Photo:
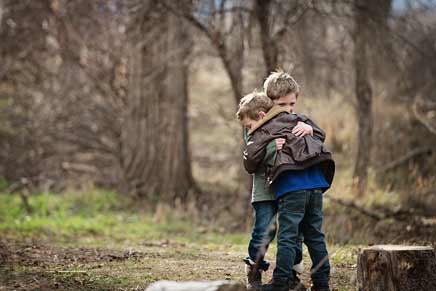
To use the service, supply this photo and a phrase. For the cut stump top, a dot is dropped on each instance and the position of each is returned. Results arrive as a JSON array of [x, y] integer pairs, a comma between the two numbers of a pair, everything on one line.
[[396, 248]]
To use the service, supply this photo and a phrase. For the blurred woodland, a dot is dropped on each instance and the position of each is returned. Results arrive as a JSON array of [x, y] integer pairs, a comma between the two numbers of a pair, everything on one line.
[[120, 152], [138, 97]]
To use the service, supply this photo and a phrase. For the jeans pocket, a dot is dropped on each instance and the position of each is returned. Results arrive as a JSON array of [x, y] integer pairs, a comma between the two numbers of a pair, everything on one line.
[[293, 203]]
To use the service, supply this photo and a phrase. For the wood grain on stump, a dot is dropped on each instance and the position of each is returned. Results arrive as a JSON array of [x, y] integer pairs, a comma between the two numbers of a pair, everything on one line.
[[395, 268]]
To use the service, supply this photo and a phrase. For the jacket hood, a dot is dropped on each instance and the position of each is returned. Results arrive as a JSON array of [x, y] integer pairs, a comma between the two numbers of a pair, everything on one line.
[[273, 112]]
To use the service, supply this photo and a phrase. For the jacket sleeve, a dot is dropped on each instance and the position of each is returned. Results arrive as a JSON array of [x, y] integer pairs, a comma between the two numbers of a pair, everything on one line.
[[271, 154], [254, 153], [318, 133]]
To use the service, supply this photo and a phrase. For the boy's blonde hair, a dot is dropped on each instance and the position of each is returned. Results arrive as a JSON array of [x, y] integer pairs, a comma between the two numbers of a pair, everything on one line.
[[251, 104], [279, 84]]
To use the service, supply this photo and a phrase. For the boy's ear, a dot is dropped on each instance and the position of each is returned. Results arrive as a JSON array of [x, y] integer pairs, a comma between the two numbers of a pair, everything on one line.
[[261, 114]]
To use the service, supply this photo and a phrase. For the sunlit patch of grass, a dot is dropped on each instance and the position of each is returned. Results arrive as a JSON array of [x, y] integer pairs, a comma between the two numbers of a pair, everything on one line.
[[57, 216], [95, 217], [343, 254]]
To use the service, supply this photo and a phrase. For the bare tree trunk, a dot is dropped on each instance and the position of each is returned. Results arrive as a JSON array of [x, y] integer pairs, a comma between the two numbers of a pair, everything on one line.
[[308, 59], [233, 60], [269, 46], [363, 92], [228, 40], [158, 158], [1, 13], [369, 15], [365, 124], [233, 68], [179, 164]]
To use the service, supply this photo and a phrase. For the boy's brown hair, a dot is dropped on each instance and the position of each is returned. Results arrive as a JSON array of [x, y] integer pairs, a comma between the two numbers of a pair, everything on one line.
[[251, 104], [279, 84]]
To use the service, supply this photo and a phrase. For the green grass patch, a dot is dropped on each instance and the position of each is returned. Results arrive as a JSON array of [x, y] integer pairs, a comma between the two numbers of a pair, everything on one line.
[[99, 241], [93, 218]]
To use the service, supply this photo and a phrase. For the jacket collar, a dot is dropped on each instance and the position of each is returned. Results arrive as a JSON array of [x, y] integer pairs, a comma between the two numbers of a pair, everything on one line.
[[273, 112]]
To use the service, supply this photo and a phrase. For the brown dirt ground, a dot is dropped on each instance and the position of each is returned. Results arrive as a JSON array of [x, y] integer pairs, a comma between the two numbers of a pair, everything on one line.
[[43, 266]]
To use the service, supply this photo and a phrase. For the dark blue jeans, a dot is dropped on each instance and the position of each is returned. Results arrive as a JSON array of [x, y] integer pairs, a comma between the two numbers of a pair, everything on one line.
[[264, 231], [301, 211]]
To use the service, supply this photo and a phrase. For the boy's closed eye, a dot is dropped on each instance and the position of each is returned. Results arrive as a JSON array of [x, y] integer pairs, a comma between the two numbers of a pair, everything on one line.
[[283, 104], [247, 122]]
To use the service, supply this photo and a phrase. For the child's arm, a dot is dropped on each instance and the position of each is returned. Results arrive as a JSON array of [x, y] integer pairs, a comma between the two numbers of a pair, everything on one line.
[[270, 154], [254, 153]]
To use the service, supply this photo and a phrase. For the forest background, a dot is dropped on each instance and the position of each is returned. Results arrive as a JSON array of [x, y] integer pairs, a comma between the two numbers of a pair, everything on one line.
[[118, 129]]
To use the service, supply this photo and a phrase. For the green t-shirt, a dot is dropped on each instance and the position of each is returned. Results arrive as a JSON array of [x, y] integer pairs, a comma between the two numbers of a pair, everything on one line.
[[261, 191]]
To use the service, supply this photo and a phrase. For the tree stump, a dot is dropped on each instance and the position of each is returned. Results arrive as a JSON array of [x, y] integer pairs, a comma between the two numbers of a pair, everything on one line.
[[196, 286], [395, 268]]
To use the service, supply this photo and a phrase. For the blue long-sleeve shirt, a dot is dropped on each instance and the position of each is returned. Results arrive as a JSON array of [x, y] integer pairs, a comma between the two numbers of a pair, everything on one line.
[[291, 181]]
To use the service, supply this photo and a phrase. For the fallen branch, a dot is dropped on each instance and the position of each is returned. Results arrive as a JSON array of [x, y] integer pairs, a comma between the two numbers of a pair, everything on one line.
[[404, 159], [356, 207]]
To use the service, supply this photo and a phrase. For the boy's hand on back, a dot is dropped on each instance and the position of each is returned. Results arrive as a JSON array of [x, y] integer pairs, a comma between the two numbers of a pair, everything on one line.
[[279, 143], [302, 129]]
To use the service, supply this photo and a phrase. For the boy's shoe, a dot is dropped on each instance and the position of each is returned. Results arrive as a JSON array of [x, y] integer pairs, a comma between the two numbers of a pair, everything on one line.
[[254, 278], [277, 285], [264, 265], [296, 287], [296, 284]]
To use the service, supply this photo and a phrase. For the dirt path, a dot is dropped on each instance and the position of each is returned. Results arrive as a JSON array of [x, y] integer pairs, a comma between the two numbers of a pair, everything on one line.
[[42, 266], [47, 267]]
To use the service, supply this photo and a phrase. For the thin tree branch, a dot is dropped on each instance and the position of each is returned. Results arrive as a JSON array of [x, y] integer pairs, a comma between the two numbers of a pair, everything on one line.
[[351, 204], [404, 159]]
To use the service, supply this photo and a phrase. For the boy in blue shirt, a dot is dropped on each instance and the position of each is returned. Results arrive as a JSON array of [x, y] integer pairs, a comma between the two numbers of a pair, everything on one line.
[[262, 198], [302, 171]]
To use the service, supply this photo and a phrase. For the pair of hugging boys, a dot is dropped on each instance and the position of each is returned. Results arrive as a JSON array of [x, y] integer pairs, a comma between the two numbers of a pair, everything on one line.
[[291, 170]]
